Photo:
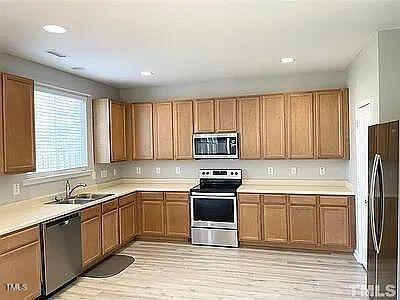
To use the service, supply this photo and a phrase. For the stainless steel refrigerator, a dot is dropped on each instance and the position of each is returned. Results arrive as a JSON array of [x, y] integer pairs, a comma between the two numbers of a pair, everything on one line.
[[383, 210]]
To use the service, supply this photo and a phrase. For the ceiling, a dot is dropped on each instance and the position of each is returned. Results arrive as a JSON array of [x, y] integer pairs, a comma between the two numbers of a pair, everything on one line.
[[188, 41]]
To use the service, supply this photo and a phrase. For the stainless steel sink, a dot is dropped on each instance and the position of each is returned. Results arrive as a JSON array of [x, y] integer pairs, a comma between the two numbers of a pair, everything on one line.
[[81, 199]]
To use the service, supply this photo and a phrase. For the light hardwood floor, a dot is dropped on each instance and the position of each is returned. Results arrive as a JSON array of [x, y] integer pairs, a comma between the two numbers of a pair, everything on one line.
[[179, 271]]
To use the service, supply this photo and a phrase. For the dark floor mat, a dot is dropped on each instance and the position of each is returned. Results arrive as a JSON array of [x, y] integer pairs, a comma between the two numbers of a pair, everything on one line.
[[113, 265]]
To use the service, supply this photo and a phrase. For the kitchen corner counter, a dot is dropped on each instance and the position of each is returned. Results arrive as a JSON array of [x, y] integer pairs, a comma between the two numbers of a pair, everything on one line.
[[298, 187], [22, 214]]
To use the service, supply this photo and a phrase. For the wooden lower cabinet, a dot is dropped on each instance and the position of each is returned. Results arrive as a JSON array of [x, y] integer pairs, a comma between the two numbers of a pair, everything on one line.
[[297, 221], [127, 219], [20, 265], [275, 220], [165, 215], [110, 231], [91, 241], [249, 217]]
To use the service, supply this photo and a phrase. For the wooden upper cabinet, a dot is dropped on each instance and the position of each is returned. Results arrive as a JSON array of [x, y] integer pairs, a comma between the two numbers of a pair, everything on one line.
[[142, 130], [274, 126], [249, 115], [331, 124], [109, 130], [163, 135], [183, 129], [117, 131], [225, 115], [17, 126], [204, 116], [300, 126]]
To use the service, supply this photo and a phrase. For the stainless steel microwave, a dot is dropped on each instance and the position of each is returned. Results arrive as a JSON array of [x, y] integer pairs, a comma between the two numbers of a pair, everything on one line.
[[216, 145]]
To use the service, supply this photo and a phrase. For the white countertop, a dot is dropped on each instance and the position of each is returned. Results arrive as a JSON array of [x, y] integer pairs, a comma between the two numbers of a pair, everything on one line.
[[22, 214]]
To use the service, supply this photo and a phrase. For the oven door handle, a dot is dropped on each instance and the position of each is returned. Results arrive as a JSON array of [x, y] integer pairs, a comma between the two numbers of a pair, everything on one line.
[[214, 197]]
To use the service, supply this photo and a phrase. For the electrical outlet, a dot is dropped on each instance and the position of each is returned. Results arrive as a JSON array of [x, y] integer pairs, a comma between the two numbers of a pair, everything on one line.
[[16, 189], [178, 170], [158, 170], [138, 170], [293, 171], [94, 175], [103, 173], [322, 171], [270, 171], [115, 172]]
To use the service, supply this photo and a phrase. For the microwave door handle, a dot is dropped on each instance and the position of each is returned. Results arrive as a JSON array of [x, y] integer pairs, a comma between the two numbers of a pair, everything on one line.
[[228, 143], [382, 197], [372, 202]]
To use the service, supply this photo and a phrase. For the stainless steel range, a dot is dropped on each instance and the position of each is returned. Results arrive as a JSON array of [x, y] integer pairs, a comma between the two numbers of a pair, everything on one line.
[[213, 204]]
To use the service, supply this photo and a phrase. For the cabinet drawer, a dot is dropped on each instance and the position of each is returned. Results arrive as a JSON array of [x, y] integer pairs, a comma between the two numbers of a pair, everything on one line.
[[249, 198], [333, 200], [177, 197], [125, 200], [91, 213], [109, 206], [18, 239], [274, 199], [303, 200], [152, 196]]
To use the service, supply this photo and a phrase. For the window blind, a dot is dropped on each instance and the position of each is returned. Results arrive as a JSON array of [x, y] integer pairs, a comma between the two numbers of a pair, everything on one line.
[[60, 130]]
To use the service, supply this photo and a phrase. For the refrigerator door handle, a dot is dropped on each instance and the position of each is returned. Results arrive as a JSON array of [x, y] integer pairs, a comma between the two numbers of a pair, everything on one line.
[[372, 201], [382, 196]]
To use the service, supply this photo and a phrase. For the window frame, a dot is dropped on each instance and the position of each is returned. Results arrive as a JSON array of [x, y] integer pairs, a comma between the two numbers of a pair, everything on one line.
[[34, 178]]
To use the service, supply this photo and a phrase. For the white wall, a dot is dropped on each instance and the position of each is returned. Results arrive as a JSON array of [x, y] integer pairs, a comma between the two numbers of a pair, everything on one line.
[[389, 75], [363, 83], [336, 169], [43, 74]]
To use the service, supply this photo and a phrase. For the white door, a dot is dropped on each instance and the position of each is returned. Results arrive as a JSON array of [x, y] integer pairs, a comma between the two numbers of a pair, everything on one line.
[[363, 120]]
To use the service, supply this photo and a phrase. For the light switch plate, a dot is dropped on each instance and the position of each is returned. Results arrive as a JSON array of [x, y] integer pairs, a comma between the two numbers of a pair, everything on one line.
[[178, 170], [115, 172], [293, 171], [138, 170], [16, 189], [322, 171], [158, 170], [94, 176], [270, 171]]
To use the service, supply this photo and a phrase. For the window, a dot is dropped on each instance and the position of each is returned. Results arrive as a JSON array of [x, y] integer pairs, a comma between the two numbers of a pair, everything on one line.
[[60, 131]]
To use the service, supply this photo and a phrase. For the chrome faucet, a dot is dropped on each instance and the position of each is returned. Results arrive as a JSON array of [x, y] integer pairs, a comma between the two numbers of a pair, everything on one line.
[[69, 190]]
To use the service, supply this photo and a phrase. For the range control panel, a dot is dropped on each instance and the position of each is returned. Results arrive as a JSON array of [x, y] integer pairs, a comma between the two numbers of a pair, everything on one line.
[[221, 173]]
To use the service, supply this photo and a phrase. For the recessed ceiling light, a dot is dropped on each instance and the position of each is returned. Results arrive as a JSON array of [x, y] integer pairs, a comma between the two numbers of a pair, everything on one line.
[[54, 29], [146, 73], [287, 60]]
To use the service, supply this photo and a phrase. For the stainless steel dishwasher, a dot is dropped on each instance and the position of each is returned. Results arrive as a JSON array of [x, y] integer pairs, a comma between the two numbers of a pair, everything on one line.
[[61, 252]]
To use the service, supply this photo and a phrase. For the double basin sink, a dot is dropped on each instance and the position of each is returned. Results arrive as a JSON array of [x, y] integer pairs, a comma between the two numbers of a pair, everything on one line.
[[80, 199]]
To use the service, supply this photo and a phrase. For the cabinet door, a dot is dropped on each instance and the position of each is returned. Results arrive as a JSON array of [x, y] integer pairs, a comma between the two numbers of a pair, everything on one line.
[[183, 129], [274, 126], [18, 125], [300, 126], [110, 240], [163, 140], [225, 115], [177, 219], [153, 217], [91, 241], [142, 130], [303, 225], [330, 124], [21, 266], [117, 131], [275, 229], [249, 128], [249, 217], [334, 222], [127, 223], [204, 116]]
